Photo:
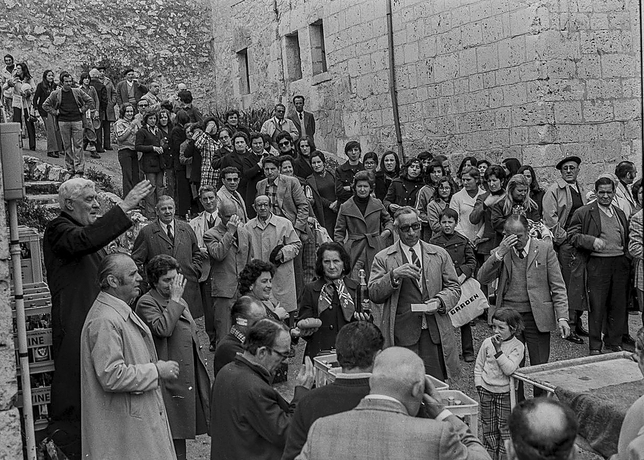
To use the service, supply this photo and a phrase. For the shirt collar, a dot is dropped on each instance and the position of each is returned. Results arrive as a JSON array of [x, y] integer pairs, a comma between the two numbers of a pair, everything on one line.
[[608, 210], [165, 226], [356, 376], [382, 398], [417, 250]]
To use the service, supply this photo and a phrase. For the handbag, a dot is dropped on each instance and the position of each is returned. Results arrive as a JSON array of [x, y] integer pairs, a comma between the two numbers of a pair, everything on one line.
[[471, 304]]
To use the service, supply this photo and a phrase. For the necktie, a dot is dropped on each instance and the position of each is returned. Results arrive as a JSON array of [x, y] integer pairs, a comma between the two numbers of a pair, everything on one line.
[[414, 258], [521, 254], [211, 222], [301, 115], [170, 235]]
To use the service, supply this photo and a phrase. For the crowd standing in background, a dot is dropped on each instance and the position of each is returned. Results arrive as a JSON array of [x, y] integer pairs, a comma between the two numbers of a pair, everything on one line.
[[264, 237]]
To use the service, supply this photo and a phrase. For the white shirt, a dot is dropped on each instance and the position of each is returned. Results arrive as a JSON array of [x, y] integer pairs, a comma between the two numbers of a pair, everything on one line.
[[417, 249]]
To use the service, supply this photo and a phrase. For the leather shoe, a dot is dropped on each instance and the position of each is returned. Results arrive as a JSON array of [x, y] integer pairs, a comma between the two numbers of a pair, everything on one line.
[[579, 330], [468, 358], [613, 348], [595, 352], [574, 338], [628, 340]]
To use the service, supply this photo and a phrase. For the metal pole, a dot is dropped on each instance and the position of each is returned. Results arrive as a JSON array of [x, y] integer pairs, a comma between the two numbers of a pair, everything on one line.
[[392, 81], [25, 378]]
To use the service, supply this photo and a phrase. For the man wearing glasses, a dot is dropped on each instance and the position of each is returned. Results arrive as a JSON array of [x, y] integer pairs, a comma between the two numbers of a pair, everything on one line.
[[228, 193], [560, 202], [278, 124], [248, 417], [417, 284]]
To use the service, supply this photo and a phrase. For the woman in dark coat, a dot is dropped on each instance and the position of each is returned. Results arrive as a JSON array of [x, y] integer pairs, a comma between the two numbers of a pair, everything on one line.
[[403, 190], [148, 142], [331, 298], [43, 90], [183, 194], [320, 189], [388, 171], [167, 315], [364, 225]]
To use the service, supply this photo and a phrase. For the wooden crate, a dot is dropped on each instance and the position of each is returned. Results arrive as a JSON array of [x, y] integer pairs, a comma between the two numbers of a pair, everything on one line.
[[467, 410], [31, 260], [39, 344], [40, 398]]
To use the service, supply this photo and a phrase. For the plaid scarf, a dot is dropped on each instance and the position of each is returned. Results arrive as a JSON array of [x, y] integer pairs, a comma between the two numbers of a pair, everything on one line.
[[326, 298]]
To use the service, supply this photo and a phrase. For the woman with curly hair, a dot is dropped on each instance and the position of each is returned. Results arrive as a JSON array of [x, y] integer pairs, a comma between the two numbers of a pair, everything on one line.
[[516, 201], [536, 191], [389, 170]]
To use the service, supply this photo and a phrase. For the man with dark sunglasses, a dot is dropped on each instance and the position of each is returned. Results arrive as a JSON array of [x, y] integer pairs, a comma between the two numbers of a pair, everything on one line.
[[417, 284]]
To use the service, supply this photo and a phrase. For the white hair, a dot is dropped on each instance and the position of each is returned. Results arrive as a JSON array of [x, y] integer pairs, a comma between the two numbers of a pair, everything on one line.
[[72, 188], [94, 73]]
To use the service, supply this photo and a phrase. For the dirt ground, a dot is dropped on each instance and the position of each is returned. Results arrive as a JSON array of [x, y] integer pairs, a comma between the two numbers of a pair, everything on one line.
[[200, 447]]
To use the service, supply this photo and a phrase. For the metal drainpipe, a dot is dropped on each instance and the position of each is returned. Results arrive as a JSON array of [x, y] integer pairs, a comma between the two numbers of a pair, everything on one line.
[[642, 70], [392, 81]]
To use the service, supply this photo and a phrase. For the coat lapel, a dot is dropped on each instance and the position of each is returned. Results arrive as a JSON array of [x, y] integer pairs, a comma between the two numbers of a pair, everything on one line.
[[161, 230], [532, 255]]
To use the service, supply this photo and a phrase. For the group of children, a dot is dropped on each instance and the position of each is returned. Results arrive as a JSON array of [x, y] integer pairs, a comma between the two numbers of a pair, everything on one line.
[[499, 355]]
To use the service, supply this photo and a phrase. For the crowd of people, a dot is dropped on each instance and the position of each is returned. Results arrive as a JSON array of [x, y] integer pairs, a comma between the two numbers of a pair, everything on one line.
[[258, 233]]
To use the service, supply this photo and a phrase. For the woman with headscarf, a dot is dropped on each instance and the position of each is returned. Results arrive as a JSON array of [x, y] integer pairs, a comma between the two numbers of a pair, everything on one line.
[[43, 90]]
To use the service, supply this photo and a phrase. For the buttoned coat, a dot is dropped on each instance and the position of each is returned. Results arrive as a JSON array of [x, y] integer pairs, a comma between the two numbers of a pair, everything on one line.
[[290, 199], [175, 339], [229, 255], [545, 284], [72, 254], [380, 429], [122, 95], [309, 123], [441, 282], [153, 240], [124, 415], [361, 233]]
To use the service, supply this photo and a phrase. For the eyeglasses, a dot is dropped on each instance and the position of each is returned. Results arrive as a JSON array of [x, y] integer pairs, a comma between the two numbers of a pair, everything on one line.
[[281, 354], [405, 228], [281, 144]]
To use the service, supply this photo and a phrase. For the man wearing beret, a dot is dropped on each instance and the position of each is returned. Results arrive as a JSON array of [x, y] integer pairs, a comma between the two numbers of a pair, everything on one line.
[[560, 202], [129, 90]]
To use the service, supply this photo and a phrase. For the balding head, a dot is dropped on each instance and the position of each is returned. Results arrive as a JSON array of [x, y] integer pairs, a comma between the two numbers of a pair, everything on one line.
[[541, 429], [400, 374]]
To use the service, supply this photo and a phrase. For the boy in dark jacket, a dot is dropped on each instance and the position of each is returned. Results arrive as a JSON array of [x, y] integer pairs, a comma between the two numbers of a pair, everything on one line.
[[462, 253]]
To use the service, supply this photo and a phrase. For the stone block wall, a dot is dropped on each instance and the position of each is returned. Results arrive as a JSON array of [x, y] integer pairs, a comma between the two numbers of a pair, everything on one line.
[[10, 439], [168, 40], [536, 80]]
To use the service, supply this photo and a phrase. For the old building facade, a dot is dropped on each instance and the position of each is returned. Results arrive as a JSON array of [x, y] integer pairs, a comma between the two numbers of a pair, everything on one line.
[[536, 80]]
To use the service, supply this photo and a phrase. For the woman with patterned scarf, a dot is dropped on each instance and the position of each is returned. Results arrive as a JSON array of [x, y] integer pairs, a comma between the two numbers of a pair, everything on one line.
[[331, 299]]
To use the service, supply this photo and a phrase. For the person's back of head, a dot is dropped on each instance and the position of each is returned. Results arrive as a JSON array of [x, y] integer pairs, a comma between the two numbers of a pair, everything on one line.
[[357, 345], [246, 311], [399, 373], [541, 429]]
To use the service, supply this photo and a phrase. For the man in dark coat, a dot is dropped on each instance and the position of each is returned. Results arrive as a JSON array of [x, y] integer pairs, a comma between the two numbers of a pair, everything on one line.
[[129, 90], [248, 417], [176, 238], [103, 101], [357, 345], [73, 248]]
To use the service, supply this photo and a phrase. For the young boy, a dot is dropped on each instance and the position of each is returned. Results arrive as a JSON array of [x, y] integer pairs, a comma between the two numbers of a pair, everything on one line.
[[462, 254]]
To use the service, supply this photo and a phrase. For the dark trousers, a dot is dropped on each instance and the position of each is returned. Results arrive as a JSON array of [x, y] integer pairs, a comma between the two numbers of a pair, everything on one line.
[[607, 281], [566, 255], [22, 117], [208, 311], [538, 344], [99, 138], [106, 127], [466, 340], [431, 354], [129, 169]]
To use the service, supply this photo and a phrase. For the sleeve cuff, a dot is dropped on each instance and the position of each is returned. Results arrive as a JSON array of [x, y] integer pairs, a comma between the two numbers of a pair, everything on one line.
[[443, 415], [498, 354]]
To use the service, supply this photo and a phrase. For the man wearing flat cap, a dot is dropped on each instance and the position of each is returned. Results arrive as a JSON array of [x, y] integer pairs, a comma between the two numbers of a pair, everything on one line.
[[560, 202], [129, 90]]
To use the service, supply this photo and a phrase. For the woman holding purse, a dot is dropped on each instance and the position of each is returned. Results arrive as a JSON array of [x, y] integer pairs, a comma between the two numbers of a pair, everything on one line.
[[43, 90]]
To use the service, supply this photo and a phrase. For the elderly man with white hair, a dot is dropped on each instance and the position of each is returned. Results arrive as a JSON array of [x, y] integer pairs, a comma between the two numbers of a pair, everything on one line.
[[385, 422], [73, 248]]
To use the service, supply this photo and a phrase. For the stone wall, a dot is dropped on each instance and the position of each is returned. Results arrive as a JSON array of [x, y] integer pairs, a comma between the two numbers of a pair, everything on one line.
[[165, 39], [10, 440], [536, 80]]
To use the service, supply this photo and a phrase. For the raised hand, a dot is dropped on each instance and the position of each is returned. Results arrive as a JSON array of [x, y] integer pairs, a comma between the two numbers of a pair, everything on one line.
[[138, 192], [177, 287]]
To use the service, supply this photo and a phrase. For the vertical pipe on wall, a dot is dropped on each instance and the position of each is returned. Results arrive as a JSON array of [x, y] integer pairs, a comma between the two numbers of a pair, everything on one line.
[[392, 81], [642, 74]]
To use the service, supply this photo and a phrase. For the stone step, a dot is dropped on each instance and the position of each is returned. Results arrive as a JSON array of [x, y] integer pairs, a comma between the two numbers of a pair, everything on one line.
[[43, 198], [42, 187]]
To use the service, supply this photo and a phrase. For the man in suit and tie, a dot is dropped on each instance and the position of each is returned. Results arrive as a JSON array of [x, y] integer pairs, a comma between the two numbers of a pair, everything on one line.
[[385, 422], [599, 231], [204, 221], [303, 121], [530, 282], [230, 178], [287, 199], [417, 284], [176, 238], [230, 250]]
